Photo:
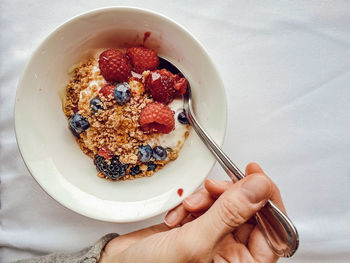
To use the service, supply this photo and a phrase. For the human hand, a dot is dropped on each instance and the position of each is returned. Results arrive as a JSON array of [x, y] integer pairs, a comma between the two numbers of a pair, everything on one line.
[[212, 225]]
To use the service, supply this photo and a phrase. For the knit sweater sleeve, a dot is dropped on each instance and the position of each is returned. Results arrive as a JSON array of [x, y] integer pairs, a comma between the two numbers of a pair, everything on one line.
[[88, 255]]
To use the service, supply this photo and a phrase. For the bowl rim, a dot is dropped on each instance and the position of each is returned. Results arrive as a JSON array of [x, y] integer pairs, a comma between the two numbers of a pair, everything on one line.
[[83, 15]]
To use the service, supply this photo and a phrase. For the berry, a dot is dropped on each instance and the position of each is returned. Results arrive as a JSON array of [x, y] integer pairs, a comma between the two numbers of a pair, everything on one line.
[[142, 58], [159, 153], [157, 117], [151, 166], [75, 133], [135, 170], [145, 153], [96, 104], [113, 170], [75, 108], [78, 124], [181, 117], [105, 152], [107, 91], [114, 65], [180, 85], [122, 93], [165, 86]]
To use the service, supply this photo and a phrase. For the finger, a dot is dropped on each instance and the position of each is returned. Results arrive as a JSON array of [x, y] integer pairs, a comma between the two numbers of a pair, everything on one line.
[[233, 251], [276, 198], [233, 208], [257, 244], [216, 187], [175, 216], [276, 195], [253, 168], [219, 259], [187, 219], [259, 249], [199, 201], [198, 214], [243, 232]]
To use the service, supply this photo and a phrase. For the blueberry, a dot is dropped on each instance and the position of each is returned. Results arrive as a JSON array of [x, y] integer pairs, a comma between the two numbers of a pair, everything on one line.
[[78, 124], [135, 170], [151, 166], [182, 118], [74, 131], [145, 153], [122, 93], [159, 153], [113, 170], [96, 104]]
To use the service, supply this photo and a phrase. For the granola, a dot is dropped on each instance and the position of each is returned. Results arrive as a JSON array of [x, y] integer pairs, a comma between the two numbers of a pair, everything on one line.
[[108, 127]]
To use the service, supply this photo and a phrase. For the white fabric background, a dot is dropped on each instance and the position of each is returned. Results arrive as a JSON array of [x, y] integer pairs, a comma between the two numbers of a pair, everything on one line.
[[286, 70]]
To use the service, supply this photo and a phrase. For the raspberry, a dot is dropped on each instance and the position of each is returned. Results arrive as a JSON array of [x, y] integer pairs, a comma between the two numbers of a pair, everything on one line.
[[142, 58], [180, 85], [114, 65], [105, 152], [107, 91], [165, 86], [157, 117]]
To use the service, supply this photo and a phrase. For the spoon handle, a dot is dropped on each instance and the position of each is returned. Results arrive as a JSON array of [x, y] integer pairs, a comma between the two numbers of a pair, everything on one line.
[[277, 228]]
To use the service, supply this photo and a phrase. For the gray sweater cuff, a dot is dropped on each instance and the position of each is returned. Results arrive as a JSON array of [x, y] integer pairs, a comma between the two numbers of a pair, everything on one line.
[[88, 255]]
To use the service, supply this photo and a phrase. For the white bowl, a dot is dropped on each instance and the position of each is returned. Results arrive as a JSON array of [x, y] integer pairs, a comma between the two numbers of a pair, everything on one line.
[[48, 147]]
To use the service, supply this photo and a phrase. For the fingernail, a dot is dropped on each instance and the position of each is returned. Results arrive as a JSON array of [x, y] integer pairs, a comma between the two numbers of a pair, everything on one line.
[[256, 188], [171, 218], [217, 182], [194, 199]]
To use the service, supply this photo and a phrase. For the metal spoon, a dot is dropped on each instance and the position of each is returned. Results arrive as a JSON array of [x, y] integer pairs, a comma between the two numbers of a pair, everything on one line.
[[277, 228]]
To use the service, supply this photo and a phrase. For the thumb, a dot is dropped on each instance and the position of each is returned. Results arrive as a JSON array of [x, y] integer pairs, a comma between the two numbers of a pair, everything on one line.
[[234, 207]]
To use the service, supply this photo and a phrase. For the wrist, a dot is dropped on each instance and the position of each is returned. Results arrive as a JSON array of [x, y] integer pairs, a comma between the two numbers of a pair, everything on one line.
[[103, 257], [107, 254], [108, 257]]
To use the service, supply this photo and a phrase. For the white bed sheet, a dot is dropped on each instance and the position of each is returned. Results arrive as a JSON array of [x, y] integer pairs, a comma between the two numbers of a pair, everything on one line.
[[286, 70]]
